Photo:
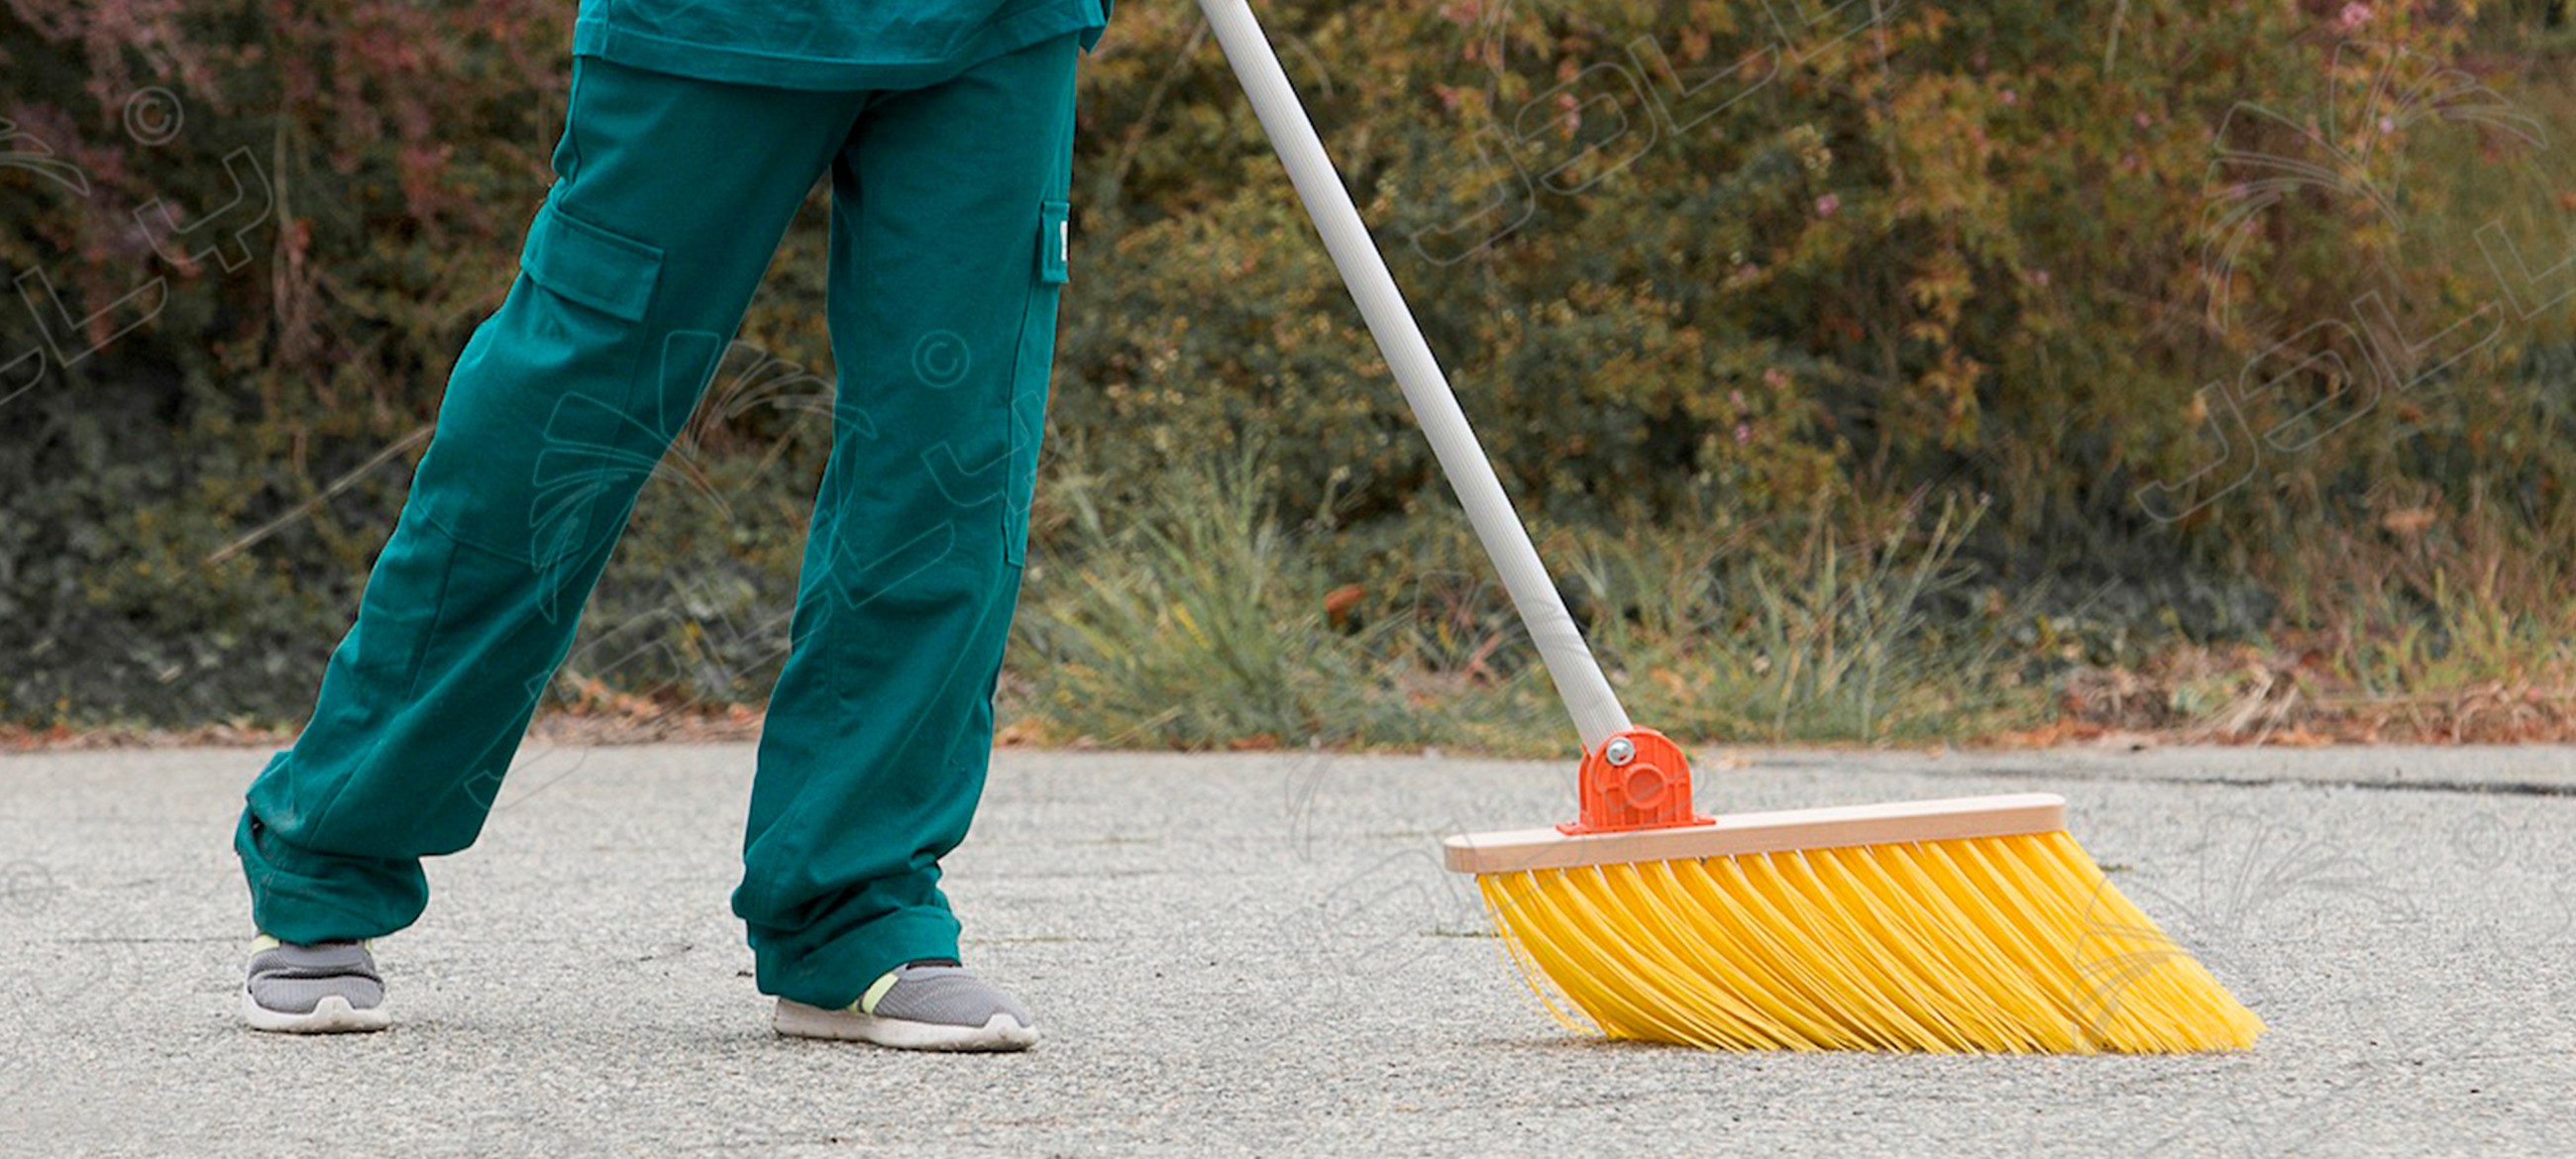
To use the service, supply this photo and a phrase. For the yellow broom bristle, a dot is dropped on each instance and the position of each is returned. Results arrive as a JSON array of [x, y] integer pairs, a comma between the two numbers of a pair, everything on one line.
[[2007, 944]]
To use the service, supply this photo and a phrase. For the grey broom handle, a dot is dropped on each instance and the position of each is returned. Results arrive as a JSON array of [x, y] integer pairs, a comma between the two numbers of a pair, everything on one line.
[[1578, 676]]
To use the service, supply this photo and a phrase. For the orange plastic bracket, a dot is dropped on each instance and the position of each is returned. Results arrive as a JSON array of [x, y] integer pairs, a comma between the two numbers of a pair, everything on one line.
[[1637, 779]]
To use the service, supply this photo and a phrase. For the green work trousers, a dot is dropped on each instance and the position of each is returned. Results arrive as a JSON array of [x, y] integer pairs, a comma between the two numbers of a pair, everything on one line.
[[947, 251]]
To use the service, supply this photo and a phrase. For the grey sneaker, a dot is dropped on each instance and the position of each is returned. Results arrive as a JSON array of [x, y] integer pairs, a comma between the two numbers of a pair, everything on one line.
[[920, 1006], [330, 988]]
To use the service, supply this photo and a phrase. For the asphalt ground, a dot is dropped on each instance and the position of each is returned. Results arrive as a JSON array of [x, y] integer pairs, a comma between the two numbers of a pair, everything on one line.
[[1260, 955]]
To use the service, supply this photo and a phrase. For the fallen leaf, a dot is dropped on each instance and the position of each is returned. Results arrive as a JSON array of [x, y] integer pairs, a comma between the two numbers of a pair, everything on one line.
[[1339, 602], [2409, 521]]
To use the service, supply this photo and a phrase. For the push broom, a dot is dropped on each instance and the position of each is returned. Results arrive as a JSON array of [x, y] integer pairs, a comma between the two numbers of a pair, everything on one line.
[[1968, 924]]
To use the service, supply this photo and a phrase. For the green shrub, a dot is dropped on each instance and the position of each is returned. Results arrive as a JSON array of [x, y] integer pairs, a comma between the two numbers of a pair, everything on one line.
[[1965, 257]]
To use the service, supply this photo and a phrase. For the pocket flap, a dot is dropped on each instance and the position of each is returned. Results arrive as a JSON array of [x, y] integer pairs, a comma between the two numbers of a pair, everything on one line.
[[590, 265]]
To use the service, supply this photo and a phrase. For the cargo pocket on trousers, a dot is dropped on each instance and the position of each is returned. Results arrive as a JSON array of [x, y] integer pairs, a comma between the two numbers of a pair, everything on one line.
[[537, 443], [1029, 372]]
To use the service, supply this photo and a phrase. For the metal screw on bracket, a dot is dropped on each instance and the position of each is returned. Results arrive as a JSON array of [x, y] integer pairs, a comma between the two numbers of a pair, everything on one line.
[[1619, 751]]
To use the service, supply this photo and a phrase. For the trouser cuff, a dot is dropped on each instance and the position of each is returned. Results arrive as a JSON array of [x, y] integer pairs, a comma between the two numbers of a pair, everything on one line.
[[833, 975], [301, 896]]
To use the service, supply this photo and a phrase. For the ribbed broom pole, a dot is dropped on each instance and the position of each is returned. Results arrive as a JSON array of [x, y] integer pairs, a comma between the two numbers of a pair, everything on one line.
[[1578, 677]]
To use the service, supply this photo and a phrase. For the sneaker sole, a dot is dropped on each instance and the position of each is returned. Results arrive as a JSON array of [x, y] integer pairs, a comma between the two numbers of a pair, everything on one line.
[[1000, 1033], [332, 1015]]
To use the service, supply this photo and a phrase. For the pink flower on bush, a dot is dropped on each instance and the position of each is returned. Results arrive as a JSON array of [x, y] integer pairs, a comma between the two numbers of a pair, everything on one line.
[[1827, 204], [2353, 16]]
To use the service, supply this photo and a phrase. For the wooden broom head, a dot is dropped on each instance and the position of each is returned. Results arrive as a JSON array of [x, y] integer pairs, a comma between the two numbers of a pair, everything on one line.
[[1786, 830]]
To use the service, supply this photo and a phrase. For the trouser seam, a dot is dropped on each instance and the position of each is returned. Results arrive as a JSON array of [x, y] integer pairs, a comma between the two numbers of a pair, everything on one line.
[[418, 663]]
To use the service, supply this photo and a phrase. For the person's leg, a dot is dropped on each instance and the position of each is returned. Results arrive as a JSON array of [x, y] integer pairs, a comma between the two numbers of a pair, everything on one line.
[[947, 249], [671, 198]]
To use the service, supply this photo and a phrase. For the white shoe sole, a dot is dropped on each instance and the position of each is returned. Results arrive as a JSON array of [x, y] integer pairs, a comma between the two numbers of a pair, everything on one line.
[[332, 1015], [999, 1033]]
